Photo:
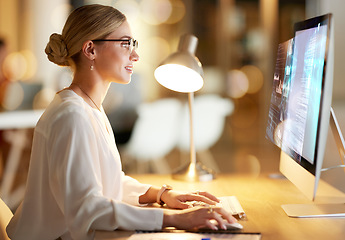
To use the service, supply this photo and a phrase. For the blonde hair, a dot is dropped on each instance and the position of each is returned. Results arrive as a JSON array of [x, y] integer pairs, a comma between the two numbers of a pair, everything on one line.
[[88, 22]]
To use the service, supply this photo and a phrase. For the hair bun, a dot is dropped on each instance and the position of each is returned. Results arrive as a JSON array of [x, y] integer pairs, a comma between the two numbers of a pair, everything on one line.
[[56, 50]]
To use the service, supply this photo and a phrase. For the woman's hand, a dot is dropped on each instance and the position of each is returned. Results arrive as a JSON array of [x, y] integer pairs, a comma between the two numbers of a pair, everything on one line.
[[178, 200], [198, 217]]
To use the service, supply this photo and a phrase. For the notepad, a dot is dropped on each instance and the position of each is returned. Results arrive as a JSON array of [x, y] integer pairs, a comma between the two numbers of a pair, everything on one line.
[[194, 236], [183, 235]]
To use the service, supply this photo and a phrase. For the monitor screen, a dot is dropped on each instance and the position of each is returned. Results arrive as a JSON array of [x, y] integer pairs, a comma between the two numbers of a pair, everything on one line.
[[300, 113], [296, 100]]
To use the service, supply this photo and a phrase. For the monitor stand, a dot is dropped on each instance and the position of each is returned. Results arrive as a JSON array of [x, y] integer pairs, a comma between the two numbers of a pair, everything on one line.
[[334, 199], [315, 210], [330, 202]]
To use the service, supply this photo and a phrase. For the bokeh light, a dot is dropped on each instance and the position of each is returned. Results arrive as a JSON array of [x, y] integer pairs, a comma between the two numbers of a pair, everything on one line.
[[178, 11], [279, 132], [20, 65], [255, 78], [128, 7], [31, 64], [237, 84], [15, 66], [256, 39], [236, 21], [155, 12]]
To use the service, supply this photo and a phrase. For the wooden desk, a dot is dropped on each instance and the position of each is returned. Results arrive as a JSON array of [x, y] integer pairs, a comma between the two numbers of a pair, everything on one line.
[[16, 125], [261, 198]]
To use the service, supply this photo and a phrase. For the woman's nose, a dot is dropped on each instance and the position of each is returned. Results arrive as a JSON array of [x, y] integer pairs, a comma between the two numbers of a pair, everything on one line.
[[134, 56]]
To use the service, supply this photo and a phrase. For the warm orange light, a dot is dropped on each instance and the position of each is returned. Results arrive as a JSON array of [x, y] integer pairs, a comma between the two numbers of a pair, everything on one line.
[[155, 11], [237, 84], [179, 78], [182, 71], [178, 12], [255, 78]]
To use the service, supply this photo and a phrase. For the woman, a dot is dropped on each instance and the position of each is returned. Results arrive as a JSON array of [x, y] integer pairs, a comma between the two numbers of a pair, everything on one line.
[[75, 184]]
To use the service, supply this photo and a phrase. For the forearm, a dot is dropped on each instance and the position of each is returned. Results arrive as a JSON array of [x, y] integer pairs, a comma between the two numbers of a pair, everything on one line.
[[150, 196], [168, 219]]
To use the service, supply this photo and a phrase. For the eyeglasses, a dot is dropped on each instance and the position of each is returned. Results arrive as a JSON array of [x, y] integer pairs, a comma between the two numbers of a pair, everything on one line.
[[130, 44]]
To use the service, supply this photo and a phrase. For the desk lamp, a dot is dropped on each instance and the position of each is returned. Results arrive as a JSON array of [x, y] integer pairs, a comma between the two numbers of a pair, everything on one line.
[[182, 72]]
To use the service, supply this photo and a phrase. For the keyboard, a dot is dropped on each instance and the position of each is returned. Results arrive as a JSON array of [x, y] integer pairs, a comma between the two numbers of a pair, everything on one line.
[[232, 205]]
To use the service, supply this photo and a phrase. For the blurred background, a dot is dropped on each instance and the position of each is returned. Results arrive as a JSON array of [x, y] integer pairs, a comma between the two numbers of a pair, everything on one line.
[[237, 47]]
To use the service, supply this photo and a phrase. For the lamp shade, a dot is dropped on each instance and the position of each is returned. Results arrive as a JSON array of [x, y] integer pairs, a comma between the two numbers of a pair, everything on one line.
[[182, 70]]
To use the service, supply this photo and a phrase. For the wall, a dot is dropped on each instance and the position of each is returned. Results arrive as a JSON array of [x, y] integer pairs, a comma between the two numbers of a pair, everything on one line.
[[336, 7]]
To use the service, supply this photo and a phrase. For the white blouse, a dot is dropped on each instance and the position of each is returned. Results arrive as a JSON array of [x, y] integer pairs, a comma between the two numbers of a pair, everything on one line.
[[75, 183]]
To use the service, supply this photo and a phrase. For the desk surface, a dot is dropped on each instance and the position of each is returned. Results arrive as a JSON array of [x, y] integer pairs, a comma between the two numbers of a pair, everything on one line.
[[19, 119], [261, 198]]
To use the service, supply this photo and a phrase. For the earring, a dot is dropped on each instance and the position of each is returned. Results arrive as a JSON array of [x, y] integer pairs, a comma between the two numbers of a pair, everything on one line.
[[91, 67]]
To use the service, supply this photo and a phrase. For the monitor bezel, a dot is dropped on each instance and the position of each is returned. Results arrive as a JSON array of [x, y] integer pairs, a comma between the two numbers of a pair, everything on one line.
[[300, 26], [307, 178]]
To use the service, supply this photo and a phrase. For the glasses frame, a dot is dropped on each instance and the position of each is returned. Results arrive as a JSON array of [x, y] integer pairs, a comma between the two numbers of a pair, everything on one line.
[[132, 43]]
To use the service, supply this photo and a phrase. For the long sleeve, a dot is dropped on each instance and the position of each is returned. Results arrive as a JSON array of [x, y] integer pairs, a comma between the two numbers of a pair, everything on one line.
[[130, 218], [75, 182], [76, 176], [79, 177], [132, 189]]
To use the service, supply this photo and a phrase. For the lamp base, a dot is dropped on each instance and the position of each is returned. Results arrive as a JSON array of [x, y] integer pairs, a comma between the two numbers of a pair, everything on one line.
[[194, 172]]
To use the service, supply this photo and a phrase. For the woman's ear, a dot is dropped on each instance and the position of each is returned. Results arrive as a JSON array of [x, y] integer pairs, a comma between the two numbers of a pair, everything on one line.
[[88, 50]]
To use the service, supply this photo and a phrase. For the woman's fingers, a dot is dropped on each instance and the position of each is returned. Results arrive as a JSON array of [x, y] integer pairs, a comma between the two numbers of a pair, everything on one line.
[[200, 198], [211, 225], [225, 215], [207, 195], [183, 205], [211, 217], [218, 219]]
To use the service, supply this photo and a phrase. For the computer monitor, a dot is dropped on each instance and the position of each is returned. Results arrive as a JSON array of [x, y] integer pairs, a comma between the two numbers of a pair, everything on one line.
[[300, 112]]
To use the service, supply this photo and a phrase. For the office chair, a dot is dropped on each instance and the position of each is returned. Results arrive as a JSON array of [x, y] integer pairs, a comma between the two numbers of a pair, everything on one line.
[[154, 135], [210, 112], [5, 217]]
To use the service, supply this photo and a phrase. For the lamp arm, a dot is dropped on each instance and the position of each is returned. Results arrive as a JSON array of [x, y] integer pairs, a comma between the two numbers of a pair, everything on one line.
[[191, 127]]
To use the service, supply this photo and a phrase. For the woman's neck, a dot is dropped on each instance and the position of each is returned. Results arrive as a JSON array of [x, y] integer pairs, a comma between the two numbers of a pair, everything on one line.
[[91, 89]]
